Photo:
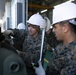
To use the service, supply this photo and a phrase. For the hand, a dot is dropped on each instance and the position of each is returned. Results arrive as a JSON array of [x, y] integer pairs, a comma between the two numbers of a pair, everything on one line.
[[7, 32], [39, 70], [19, 52]]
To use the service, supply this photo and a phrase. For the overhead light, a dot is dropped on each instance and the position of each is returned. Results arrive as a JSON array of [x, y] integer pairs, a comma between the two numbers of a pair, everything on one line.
[[71, 0], [43, 11]]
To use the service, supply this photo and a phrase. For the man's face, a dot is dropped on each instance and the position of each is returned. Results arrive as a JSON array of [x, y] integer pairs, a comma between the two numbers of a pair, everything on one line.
[[32, 30], [58, 31]]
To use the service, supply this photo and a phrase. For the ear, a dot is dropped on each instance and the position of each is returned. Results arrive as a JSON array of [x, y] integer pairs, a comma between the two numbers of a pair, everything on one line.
[[65, 28]]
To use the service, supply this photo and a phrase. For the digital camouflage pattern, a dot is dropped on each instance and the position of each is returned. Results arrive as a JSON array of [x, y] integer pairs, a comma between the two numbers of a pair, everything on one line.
[[63, 60], [31, 46], [19, 38]]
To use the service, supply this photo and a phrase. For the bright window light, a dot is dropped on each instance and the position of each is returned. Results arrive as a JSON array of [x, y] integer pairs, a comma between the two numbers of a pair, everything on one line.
[[1, 21]]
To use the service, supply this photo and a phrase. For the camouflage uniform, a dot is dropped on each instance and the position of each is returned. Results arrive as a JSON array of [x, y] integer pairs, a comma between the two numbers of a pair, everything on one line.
[[31, 47], [19, 38], [63, 61]]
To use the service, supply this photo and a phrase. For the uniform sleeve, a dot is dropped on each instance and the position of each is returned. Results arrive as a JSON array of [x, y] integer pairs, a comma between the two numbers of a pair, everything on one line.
[[63, 61], [18, 33], [69, 70]]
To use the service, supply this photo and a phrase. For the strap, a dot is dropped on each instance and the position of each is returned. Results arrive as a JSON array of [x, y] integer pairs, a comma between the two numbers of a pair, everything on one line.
[[46, 59]]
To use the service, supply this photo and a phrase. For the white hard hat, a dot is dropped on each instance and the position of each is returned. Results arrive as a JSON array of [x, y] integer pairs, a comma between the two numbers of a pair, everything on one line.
[[48, 24], [38, 20], [21, 26], [64, 11]]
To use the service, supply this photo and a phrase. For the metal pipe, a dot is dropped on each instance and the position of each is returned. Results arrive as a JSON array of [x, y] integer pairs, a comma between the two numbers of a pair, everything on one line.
[[42, 42], [26, 13]]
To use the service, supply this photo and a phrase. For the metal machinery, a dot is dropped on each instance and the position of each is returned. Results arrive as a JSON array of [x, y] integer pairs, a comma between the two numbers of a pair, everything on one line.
[[10, 62]]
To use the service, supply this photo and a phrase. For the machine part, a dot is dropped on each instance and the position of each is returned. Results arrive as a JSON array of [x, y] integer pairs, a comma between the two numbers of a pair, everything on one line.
[[11, 63]]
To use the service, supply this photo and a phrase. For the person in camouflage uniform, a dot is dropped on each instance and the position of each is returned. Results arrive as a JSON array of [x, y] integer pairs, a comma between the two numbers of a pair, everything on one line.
[[17, 43], [63, 61], [63, 58], [31, 42]]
